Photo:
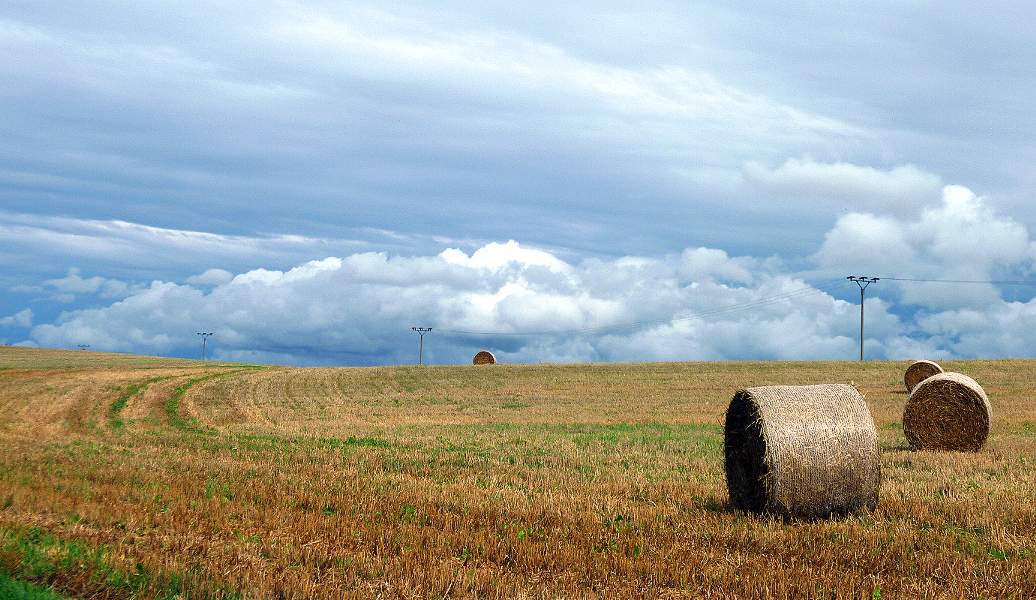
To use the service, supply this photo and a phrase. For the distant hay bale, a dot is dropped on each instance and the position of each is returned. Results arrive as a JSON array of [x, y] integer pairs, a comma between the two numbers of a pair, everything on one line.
[[918, 372], [484, 357], [802, 452], [948, 411]]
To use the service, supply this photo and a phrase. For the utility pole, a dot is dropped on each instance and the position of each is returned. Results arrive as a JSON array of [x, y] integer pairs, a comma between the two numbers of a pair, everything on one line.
[[204, 339], [863, 282], [420, 344]]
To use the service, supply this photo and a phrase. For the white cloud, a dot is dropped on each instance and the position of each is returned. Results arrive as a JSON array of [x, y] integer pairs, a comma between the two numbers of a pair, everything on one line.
[[211, 277], [22, 318], [709, 262], [967, 233], [133, 243], [863, 243], [900, 189], [358, 308], [161, 252], [702, 303], [499, 67], [74, 284], [961, 238], [1005, 329], [401, 87], [494, 256]]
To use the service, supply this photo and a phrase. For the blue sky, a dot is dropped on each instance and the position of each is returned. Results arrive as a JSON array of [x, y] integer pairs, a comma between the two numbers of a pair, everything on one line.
[[309, 180]]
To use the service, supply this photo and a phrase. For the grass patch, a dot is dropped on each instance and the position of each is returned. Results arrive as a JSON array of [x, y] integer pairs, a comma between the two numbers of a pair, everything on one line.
[[12, 589], [37, 557], [217, 489], [647, 434], [370, 442], [267, 442], [135, 389], [172, 404]]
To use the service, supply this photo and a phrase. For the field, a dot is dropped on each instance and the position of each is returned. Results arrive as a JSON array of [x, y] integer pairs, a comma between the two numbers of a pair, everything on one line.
[[136, 477]]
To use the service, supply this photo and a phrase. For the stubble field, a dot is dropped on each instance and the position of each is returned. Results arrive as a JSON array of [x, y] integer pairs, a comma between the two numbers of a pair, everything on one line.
[[135, 477]]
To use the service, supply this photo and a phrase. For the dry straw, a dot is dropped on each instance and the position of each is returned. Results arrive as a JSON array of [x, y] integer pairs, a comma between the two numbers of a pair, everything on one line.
[[801, 451], [948, 411], [918, 372], [483, 357]]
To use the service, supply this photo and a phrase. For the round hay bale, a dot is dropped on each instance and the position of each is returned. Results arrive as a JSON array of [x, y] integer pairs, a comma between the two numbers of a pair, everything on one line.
[[801, 452], [918, 372], [948, 411], [483, 357]]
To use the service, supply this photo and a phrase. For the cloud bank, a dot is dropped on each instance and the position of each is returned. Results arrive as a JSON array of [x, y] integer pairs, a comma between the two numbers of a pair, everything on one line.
[[528, 304]]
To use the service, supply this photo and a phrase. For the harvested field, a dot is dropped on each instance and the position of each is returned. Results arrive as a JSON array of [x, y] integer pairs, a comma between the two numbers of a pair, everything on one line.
[[126, 477]]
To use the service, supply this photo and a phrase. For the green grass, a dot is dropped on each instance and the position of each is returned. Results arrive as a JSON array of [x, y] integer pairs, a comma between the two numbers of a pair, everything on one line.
[[12, 589], [32, 557], [172, 404], [132, 391]]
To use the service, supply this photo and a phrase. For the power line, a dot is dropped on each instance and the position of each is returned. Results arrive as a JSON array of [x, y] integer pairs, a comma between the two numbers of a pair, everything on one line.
[[981, 281], [759, 303]]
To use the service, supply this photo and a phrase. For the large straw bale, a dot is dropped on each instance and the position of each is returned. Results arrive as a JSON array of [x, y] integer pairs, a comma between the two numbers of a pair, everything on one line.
[[948, 411], [483, 357], [801, 451], [918, 371]]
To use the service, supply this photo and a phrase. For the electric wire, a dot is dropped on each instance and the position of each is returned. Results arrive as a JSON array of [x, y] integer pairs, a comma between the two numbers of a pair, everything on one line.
[[965, 281]]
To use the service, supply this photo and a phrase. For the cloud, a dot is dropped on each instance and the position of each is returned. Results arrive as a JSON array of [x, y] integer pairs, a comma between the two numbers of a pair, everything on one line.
[[961, 238], [467, 122], [470, 127], [358, 309], [138, 250], [866, 243], [494, 257], [74, 284], [713, 263], [138, 150], [22, 318], [900, 189], [211, 277], [529, 304], [383, 46], [950, 233], [115, 240]]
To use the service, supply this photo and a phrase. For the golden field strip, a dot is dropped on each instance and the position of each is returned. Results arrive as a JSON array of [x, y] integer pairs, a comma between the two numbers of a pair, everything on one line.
[[142, 477]]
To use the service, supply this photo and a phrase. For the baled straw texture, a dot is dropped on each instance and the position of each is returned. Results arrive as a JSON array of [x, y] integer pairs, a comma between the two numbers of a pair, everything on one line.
[[918, 372], [948, 411], [483, 357], [801, 451]]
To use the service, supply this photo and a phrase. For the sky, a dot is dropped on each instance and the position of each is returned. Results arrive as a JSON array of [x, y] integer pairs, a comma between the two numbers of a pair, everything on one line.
[[586, 182]]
